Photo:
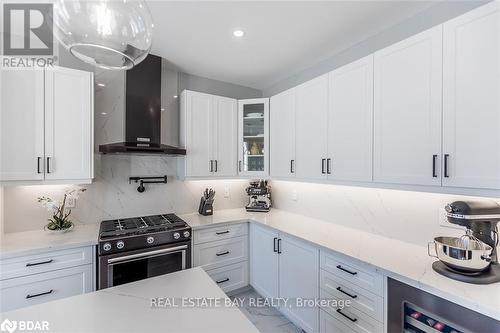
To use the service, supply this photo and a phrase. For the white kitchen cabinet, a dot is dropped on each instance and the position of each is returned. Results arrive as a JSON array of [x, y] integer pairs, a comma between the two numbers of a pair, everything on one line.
[[350, 121], [264, 260], [311, 128], [47, 126], [285, 266], [21, 125], [253, 132], [282, 134], [298, 279], [69, 123], [471, 102], [209, 134], [407, 110]]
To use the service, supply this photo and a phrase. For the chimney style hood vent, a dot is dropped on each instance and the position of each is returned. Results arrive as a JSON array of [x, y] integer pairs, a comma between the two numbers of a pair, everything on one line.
[[143, 112]]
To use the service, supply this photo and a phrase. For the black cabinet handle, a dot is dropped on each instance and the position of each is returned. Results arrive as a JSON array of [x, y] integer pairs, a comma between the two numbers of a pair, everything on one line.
[[216, 166], [446, 156], [279, 245], [38, 160], [292, 166], [348, 317], [275, 247], [39, 263], [434, 173], [222, 232], [346, 293], [328, 165], [323, 160], [239, 165], [211, 165], [222, 281], [222, 254], [48, 164], [346, 270], [41, 294]]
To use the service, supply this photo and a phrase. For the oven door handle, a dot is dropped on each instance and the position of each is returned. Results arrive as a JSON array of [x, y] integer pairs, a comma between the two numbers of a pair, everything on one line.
[[146, 254]]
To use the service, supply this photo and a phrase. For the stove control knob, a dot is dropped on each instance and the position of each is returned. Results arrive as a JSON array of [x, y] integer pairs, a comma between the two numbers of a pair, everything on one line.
[[106, 247], [150, 240], [177, 235], [120, 245], [186, 234]]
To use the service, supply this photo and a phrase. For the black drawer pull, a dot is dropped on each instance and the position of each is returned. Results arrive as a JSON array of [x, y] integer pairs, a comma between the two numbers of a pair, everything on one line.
[[351, 319], [346, 270], [222, 281], [41, 294], [39, 263], [222, 232], [279, 245], [323, 160], [446, 156], [222, 254], [275, 240], [346, 293], [434, 173]]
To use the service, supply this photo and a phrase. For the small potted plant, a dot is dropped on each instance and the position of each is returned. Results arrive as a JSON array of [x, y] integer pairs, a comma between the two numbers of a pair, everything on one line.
[[60, 223]]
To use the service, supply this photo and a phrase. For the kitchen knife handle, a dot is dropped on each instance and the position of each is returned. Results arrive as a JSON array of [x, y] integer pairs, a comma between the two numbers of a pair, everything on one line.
[[434, 159], [446, 157]]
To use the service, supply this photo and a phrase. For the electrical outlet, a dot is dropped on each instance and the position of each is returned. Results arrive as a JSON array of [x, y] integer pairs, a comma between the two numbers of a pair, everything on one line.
[[443, 220], [226, 192], [294, 195], [70, 202]]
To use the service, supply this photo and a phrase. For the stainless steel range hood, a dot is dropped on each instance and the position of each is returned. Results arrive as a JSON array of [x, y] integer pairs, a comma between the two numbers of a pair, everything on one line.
[[143, 112]]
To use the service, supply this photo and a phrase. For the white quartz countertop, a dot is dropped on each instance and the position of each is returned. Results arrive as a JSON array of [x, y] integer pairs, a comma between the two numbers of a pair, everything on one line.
[[403, 261], [32, 242], [127, 308]]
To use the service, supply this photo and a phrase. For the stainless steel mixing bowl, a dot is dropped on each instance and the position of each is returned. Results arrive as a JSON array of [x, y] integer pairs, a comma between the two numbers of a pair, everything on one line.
[[474, 257]]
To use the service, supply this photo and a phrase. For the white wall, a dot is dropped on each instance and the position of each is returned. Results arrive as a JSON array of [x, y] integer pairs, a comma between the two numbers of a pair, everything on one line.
[[408, 216]]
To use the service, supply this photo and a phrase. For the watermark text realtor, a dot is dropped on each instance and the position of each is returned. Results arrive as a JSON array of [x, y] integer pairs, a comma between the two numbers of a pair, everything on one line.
[[28, 35]]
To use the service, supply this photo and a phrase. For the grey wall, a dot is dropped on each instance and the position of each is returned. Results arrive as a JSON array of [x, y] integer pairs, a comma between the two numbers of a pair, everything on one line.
[[431, 17]]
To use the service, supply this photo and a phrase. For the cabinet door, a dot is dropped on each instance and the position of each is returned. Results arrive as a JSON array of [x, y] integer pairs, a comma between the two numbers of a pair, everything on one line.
[[69, 115], [407, 110], [225, 136], [471, 98], [282, 134], [299, 278], [264, 260], [350, 121], [21, 125], [311, 128], [198, 113]]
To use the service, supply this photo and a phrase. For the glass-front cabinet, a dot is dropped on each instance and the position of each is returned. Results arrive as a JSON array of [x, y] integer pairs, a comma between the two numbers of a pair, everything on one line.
[[253, 132]]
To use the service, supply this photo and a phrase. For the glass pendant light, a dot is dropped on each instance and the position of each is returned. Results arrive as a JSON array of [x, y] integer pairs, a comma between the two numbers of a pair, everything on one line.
[[110, 34]]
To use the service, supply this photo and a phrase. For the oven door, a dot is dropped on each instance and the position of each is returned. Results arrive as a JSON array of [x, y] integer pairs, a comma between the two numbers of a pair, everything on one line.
[[120, 268]]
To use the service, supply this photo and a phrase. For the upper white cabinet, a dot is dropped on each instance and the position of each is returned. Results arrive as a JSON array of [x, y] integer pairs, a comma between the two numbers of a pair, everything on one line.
[[47, 125], [282, 135], [311, 128], [253, 128], [471, 99], [209, 134], [407, 110], [350, 121]]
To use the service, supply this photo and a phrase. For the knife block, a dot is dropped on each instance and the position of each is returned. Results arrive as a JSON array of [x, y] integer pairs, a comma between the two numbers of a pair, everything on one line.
[[205, 208]]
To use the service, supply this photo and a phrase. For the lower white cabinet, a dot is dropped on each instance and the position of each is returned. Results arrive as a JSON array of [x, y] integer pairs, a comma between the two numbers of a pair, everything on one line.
[[222, 251], [35, 279], [285, 266]]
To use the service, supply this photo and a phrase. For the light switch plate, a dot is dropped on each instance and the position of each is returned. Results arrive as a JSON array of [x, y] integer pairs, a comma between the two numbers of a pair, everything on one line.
[[294, 195], [226, 192]]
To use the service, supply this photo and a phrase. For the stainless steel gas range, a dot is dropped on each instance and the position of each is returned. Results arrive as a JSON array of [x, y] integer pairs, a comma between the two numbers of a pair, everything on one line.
[[137, 248]]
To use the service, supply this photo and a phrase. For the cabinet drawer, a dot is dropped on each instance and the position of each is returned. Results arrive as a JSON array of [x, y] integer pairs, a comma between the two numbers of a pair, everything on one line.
[[221, 253], [45, 262], [40, 288], [353, 318], [230, 277], [220, 232], [354, 272], [328, 324], [360, 298]]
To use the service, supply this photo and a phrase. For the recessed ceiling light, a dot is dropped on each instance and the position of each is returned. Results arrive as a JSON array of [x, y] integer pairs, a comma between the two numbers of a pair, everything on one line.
[[101, 85], [175, 96], [103, 113], [238, 33], [162, 109]]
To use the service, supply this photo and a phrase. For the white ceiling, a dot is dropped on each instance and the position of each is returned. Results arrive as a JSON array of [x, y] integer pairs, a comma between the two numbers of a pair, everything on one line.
[[281, 37]]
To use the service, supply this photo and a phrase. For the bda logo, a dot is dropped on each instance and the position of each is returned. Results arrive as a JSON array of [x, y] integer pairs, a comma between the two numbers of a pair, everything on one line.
[[8, 325]]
